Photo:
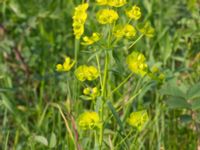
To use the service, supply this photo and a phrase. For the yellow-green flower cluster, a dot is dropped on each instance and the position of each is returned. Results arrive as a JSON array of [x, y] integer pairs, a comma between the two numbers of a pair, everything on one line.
[[138, 119], [134, 13], [89, 120], [91, 92], [79, 18], [156, 74], [147, 30], [113, 3], [161, 76], [86, 73], [92, 39], [66, 66], [106, 16], [127, 31], [137, 63]]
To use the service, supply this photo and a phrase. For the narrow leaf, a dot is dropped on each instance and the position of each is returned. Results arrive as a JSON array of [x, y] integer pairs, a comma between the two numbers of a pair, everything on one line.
[[115, 114]]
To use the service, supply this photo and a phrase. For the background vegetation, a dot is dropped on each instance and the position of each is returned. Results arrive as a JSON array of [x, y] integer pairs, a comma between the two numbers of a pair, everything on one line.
[[34, 37]]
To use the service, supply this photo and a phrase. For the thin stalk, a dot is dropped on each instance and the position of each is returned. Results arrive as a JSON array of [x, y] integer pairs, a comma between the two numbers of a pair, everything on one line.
[[99, 68], [6, 141], [103, 94], [135, 138], [109, 35], [104, 87], [122, 83], [65, 121], [41, 95], [158, 132], [136, 41], [105, 75], [130, 132], [77, 47], [129, 106], [129, 21], [96, 139]]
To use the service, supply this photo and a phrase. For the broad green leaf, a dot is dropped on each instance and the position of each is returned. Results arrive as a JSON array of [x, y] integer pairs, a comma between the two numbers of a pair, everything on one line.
[[177, 102], [172, 90], [194, 91], [41, 139], [196, 104]]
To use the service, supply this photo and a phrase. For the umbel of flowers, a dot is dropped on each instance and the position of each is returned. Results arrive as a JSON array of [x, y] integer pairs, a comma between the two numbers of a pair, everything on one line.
[[138, 119], [89, 120], [136, 61], [107, 16]]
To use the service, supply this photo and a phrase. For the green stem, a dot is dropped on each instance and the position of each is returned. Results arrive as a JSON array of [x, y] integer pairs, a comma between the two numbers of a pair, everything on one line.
[[135, 138], [129, 21], [99, 68], [122, 83], [105, 75], [136, 41], [65, 121], [104, 87], [77, 47], [129, 106], [103, 94], [130, 132]]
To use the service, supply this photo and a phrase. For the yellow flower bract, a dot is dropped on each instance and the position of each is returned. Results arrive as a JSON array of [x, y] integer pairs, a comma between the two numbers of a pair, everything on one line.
[[89, 120], [127, 30], [154, 69], [106, 16], [86, 73], [134, 13], [137, 63], [161, 76], [118, 31], [138, 119], [92, 39], [102, 2], [91, 92], [79, 18], [148, 30], [114, 3], [66, 66]]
